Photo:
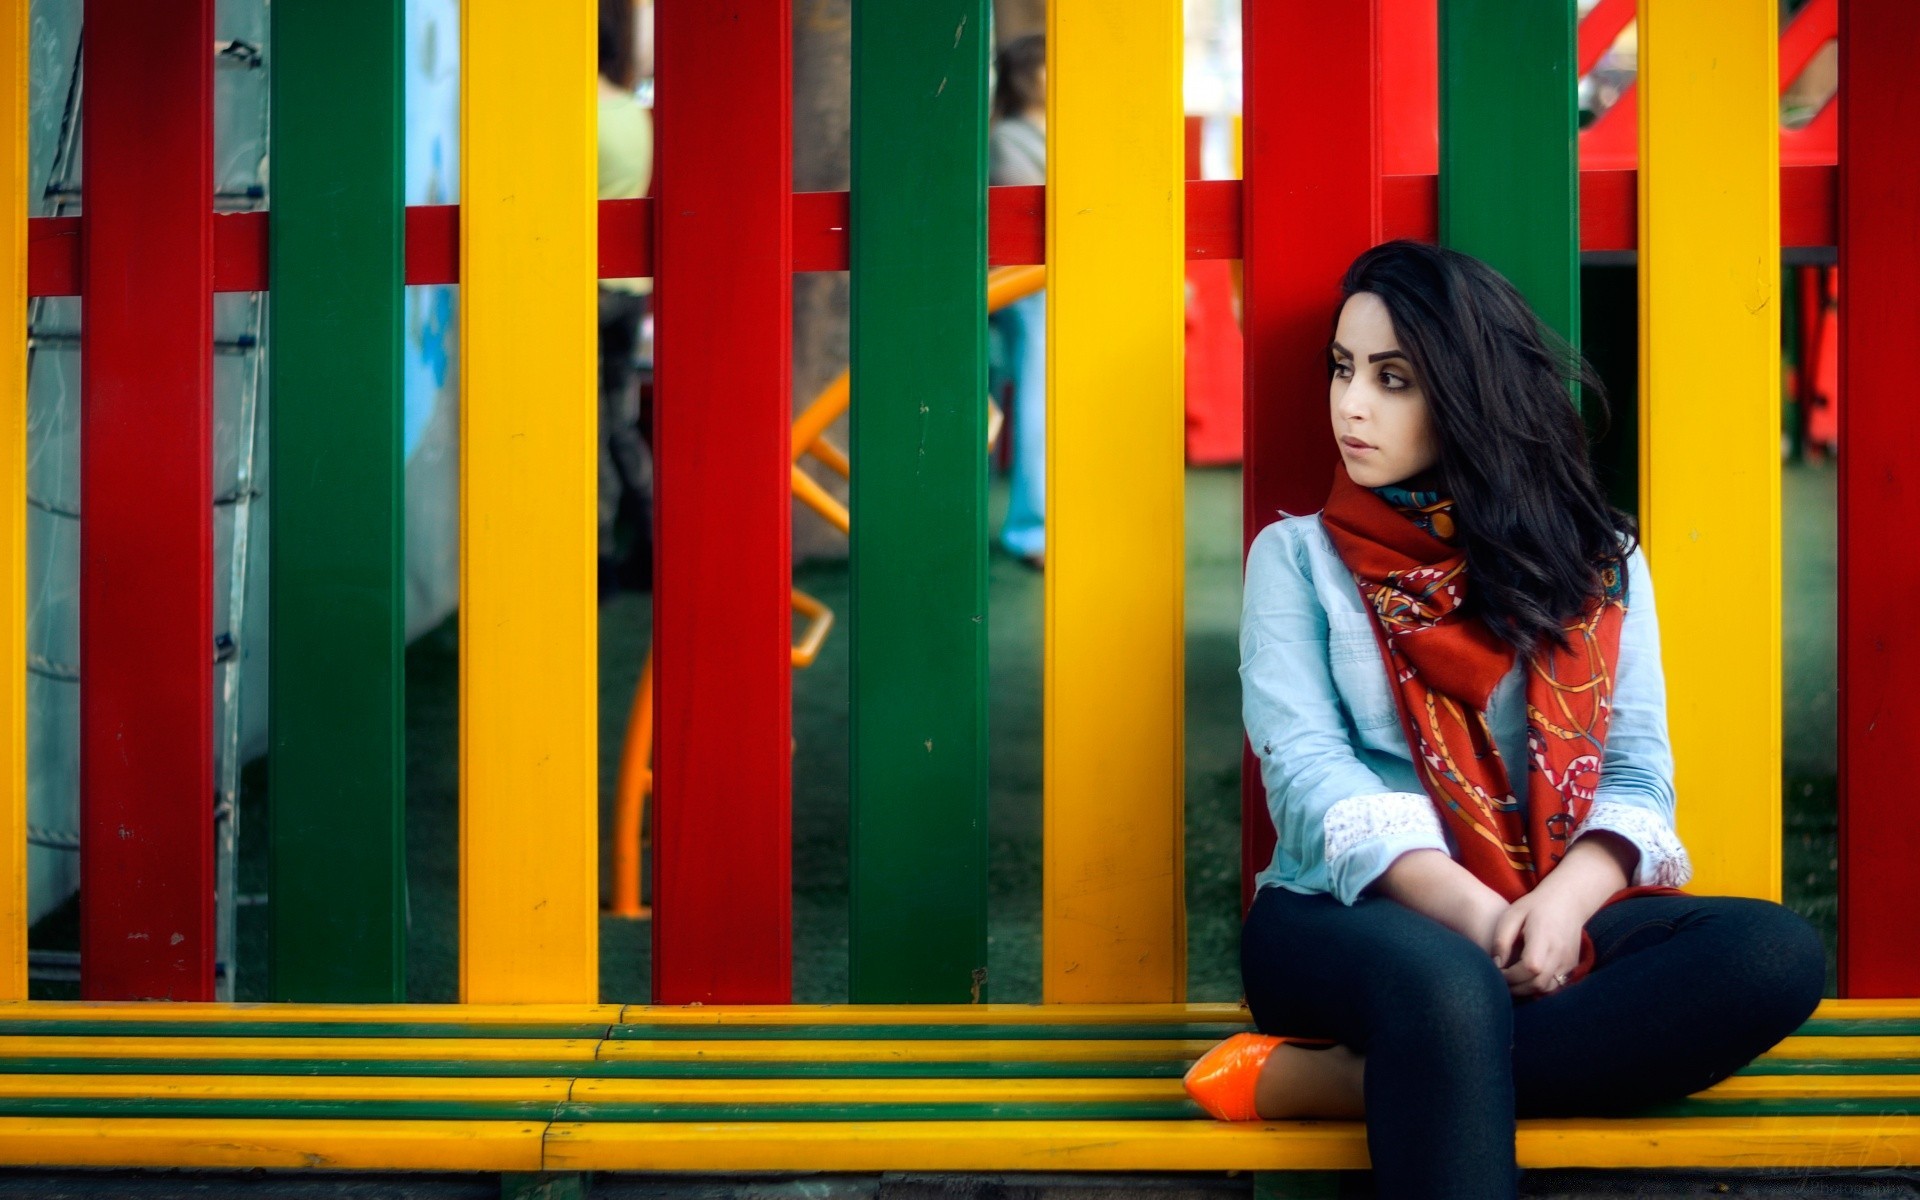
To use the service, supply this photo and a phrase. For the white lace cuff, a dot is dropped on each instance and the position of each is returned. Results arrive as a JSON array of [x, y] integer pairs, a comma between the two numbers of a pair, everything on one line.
[[1356, 820], [1663, 860]]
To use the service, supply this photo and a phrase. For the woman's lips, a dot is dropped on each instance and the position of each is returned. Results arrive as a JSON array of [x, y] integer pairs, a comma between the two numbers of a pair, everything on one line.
[[1356, 444]]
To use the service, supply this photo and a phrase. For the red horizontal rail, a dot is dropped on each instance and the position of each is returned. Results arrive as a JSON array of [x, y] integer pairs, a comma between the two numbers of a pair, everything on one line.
[[1016, 229]]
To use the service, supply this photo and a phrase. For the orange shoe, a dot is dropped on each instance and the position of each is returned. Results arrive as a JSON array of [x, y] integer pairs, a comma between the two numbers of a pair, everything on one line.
[[1223, 1081]]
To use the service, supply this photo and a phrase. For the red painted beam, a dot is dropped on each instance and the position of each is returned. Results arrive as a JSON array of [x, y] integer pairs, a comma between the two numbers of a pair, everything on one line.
[[722, 845], [1016, 232], [1599, 29], [1879, 642], [1313, 200], [146, 490], [1612, 142]]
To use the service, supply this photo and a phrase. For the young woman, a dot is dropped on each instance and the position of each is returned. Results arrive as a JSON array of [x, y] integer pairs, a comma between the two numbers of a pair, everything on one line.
[[1452, 679]]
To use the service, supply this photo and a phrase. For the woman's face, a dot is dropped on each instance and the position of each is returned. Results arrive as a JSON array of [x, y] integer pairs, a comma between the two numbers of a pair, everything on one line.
[[1380, 416]]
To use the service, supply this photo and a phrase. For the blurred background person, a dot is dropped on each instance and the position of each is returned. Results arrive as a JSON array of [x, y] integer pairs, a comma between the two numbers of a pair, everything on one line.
[[1016, 156], [626, 170]]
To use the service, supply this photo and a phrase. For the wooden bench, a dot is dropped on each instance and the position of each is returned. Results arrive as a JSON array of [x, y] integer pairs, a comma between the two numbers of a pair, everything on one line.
[[843, 1088]]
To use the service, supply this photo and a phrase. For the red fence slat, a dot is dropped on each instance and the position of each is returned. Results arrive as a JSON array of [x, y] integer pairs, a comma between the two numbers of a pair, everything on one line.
[[1879, 642], [146, 499], [1313, 167], [722, 927]]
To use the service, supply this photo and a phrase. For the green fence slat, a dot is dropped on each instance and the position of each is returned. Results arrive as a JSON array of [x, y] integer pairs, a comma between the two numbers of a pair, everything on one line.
[[1509, 149], [338, 599], [919, 594]]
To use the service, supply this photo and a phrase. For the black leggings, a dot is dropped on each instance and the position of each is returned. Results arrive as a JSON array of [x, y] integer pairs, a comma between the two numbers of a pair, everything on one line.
[[1685, 990]]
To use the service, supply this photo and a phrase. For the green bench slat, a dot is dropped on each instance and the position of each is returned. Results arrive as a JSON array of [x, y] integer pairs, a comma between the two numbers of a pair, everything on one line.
[[1832, 1066], [656, 1033], [629, 1111], [1797, 1106], [1863, 1027], [238, 1109], [642, 1031], [488, 1110], [670, 1033], [296, 1029], [605, 1069], [597, 1069], [1055, 1110], [924, 1033]]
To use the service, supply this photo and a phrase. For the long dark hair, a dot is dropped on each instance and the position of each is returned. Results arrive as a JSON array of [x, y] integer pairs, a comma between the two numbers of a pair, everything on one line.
[[617, 55], [1017, 87], [1533, 520]]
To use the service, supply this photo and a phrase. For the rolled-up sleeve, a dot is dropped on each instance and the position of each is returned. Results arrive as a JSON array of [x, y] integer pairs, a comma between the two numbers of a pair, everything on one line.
[[1635, 796], [1330, 811]]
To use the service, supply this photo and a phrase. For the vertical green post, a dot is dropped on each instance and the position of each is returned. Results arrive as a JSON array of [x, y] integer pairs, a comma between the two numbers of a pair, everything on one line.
[[919, 594], [337, 603], [1509, 147]]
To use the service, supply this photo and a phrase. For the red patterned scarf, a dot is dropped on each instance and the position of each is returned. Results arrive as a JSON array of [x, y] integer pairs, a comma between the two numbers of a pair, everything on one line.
[[1444, 667]]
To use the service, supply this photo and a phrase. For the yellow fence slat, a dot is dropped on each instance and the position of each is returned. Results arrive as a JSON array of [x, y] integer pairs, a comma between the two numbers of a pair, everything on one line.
[[1114, 923], [529, 865], [13, 524], [1710, 420]]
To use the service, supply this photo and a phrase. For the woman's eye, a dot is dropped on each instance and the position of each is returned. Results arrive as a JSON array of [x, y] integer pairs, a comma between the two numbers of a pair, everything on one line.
[[1341, 370], [1392, 381]]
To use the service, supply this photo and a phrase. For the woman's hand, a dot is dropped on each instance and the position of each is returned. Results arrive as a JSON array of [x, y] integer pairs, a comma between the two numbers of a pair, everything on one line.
[[1538, 938], [1429, 882]]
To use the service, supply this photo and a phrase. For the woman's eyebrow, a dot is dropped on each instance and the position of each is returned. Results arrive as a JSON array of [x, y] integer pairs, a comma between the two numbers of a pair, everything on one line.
[[1374, 358]]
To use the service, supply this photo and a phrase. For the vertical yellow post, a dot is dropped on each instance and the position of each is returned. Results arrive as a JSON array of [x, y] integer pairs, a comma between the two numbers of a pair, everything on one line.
[[528, 786], [13, 518], [1115, 917], [1710, 425]]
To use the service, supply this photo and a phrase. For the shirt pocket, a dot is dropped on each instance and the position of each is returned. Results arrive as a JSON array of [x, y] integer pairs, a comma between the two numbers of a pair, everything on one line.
[[1359, 672]]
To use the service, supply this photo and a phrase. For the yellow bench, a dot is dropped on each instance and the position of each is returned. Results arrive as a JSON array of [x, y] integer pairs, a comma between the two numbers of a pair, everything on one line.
[[844, 1088]]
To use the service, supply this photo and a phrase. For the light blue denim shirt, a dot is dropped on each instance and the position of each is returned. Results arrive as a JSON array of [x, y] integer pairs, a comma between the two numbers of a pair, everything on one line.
[[1340, 780]]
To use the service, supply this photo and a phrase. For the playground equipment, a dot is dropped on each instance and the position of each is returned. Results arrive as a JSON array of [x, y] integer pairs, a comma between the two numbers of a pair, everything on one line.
[[1707, 208], [1004, 286]]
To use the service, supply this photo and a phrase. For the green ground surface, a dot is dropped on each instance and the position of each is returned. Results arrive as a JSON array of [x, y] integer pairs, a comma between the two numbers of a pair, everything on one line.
[[820, 770]]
